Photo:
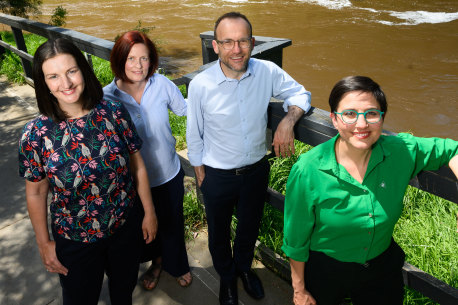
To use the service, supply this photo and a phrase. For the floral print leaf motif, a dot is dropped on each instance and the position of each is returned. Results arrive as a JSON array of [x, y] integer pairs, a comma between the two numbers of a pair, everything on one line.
[[54, 157], [87, 163], [74, 167], [74, 145], [93, 164]]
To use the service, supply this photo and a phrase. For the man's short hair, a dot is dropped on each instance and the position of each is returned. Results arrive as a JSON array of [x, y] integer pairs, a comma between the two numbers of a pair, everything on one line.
[[232, 15]]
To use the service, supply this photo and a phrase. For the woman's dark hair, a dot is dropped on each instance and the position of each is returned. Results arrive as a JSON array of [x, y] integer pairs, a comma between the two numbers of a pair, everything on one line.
[[121, 50], [357, 83], [47, 103], [232, 15]]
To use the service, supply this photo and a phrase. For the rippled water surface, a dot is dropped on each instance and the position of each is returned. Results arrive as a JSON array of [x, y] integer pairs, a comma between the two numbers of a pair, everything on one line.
[[409, 47]]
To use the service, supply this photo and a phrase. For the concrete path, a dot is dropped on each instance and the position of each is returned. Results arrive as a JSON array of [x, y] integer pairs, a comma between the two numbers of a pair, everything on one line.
[[24, 280]]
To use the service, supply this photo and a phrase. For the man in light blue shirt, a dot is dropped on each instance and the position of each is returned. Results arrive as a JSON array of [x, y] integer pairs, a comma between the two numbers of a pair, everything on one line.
[[226, 126]]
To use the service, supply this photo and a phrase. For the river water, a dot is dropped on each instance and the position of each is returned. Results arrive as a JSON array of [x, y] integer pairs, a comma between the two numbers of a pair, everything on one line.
[[409, 47]]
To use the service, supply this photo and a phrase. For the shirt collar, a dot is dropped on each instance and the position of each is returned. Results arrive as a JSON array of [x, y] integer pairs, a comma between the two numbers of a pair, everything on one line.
[[118, 92], [220, 77], [329, 161]]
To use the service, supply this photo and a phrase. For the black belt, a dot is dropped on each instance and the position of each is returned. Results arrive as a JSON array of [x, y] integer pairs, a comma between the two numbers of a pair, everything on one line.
[[241, 170]]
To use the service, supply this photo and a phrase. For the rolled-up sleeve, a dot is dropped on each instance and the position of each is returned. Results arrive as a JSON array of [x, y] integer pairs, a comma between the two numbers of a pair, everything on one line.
[[290, 91], [299, 217]]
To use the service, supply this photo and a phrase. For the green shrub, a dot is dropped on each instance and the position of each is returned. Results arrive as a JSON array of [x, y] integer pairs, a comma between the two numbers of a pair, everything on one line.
[[58, 17], [21, 8]]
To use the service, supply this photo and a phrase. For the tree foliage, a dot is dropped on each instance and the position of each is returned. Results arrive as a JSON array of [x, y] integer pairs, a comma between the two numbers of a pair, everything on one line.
[[58, 17], [21, 8]]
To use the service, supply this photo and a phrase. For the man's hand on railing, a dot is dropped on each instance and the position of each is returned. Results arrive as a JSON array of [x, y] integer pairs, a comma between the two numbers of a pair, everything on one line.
[[283, 142]]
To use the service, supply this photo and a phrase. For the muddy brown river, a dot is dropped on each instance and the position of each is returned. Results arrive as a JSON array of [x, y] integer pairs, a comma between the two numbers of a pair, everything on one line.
[[409, 47]]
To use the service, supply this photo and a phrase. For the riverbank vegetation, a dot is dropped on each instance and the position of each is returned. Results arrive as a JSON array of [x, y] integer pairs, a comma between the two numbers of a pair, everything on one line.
[[426, 231], [21, 8]]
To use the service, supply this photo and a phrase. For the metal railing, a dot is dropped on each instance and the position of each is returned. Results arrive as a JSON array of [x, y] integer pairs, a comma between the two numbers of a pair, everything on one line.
[[313, 128]]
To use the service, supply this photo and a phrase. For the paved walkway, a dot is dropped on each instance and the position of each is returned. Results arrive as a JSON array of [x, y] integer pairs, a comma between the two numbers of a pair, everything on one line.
[[23, 279]]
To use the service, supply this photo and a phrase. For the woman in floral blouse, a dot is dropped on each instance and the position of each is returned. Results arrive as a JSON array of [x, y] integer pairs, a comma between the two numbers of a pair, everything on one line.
[[85, 150]]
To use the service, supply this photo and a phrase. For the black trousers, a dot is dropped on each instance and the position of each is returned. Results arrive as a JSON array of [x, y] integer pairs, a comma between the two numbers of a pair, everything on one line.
[[169, 243], [118, 256], [223, 191], [378, 282]]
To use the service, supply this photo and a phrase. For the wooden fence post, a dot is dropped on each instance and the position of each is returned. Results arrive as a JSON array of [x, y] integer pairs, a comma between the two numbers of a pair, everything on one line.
[[20, 43]]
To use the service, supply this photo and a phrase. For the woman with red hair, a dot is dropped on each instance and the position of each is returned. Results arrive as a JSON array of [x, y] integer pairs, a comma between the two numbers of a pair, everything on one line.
[[148, 96]]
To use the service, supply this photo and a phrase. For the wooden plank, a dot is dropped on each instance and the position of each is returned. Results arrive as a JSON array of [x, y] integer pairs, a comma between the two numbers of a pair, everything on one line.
[[20, 53], [90, 44], [442, 183], [2, 50], [429, 286], [20, 43], [275, 199], [273, 261]]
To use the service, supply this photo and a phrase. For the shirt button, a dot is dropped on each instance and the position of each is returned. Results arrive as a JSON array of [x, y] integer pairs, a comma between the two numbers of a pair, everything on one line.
[[365, 191], [139, 116], [370, 215]]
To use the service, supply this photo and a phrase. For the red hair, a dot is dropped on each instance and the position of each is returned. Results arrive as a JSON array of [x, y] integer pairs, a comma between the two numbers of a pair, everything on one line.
[[121, 50]]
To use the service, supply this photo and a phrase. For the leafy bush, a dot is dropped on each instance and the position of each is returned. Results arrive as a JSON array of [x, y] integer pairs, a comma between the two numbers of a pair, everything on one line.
[[21, 8], [58, 17]]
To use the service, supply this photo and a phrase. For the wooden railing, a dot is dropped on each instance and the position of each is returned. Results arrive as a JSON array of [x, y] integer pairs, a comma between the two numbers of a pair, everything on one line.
[[313, 128]]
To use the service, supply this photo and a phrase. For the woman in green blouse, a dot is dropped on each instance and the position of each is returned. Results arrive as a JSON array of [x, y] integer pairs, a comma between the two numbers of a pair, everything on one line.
[[344, 197]]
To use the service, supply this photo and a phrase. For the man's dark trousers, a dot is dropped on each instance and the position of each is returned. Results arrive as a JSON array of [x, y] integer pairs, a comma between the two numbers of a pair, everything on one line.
[[245, 190]]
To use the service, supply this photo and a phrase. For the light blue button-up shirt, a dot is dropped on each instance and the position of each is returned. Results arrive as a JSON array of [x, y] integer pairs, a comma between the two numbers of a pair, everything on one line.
[[227, 118], [151, 118]]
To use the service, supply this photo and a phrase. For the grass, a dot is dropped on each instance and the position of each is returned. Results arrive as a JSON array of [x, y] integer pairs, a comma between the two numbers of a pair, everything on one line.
[[102, 70], [194, 215], [178, 125], [426, 230]]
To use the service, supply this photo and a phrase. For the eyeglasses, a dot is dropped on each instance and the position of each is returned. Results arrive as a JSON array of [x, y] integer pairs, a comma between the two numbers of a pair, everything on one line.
[[371, 116], [229, 44]]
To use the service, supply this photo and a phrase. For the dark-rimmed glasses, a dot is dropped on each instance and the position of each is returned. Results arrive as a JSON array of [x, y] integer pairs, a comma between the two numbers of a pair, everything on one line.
[[229, 44], [372, 116]]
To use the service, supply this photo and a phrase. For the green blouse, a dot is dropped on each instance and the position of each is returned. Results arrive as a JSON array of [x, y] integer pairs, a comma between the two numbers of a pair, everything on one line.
[[327, 210]]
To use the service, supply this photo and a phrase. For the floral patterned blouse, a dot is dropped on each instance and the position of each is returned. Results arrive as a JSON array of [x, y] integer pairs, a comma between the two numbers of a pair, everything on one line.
[[86, 161]]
